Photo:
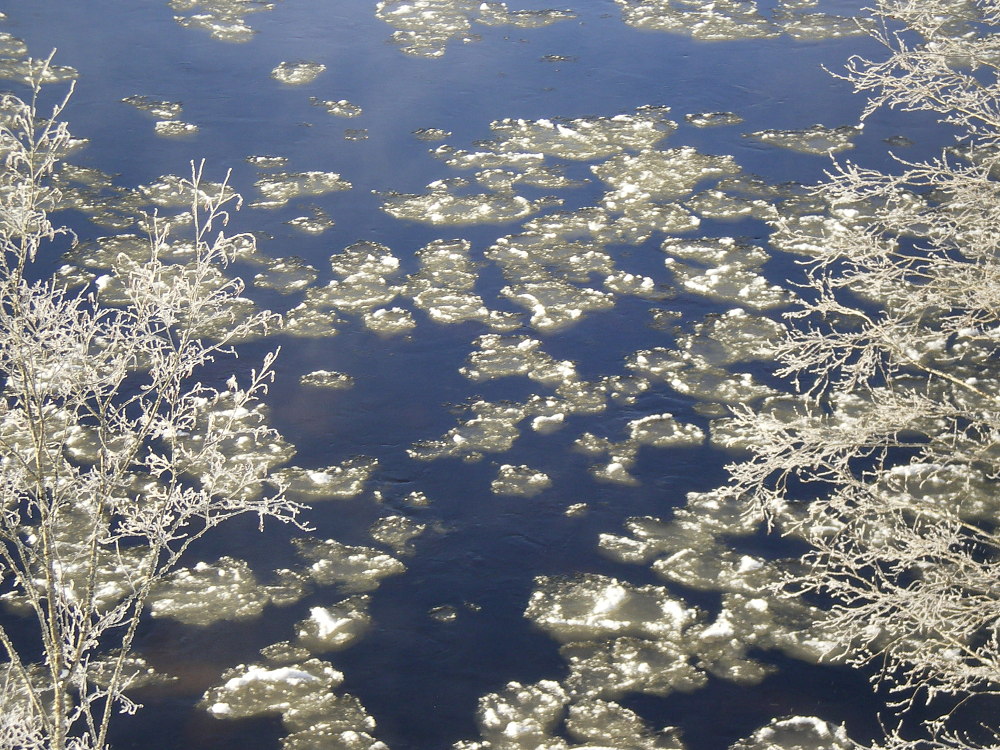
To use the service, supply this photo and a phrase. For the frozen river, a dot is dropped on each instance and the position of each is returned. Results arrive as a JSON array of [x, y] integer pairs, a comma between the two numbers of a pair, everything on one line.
[[527, 260]]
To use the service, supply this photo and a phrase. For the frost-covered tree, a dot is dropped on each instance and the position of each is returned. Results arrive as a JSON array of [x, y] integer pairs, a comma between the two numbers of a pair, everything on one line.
[[885, 458], [113, 458]]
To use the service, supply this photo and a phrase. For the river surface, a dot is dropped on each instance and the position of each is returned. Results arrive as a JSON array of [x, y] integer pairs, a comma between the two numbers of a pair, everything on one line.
[[524, 271]]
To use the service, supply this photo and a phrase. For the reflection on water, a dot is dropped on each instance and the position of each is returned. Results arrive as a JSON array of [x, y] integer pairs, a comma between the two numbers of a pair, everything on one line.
[[563, 320]]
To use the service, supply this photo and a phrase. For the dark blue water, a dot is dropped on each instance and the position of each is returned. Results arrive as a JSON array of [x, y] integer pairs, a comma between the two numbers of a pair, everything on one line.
[[419, 678]]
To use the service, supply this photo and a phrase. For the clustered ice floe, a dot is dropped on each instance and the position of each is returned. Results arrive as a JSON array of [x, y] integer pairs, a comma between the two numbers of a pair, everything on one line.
[[301, 690], [167, 114], [620, 638]]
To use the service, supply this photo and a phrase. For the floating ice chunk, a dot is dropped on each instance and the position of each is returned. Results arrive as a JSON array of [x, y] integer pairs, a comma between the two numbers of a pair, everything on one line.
[[493, 429], [519, 480], [443, 205], [277, 188], [397, 533], [336, 381], [158, 108], [500, 356], [253, 690], [301, 690], [267, 162], [171, 191], [334, 628], [607, 724], [497, 14], [719, 205], [594, 607], [730, 283], [325, 719], [30, 70], [443, 286], [622, 282], [659, 430], [688, 375], [658, 175], [443, 613], [431, 134], [285, 275], [713, 119], [10, 45], [337, 108], [317, 222], [223, 19], [389, 321], [818, 26], [311, 318], [249, 444], [206, 593], [955, 490], [797, 733], [174, 128], [735, 336], [417, 499], [297, 73], [539, 255], [808, 234], [522, 716], [339, 482], [425, 27], [610, 669], [662, 431], [720, 20], [548, 423], [460, 159], [555, 304], [353, 569], [817, 139], [585, 138]]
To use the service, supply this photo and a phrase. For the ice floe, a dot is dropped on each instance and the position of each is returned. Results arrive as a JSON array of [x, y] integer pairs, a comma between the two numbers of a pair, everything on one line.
[[285, 275], [712, 119], [584, 138], [797, 733], [337, 107], [225, 20], [335, 381], [817, 139], [174, 128], [425, 28], [335, 627], [725, 20], [397, 533], [297, 73], [519, 480], [446, 202], [224, 590], [277, 188], [352, 569], [340, 482], [302, 693], [160, 109]]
